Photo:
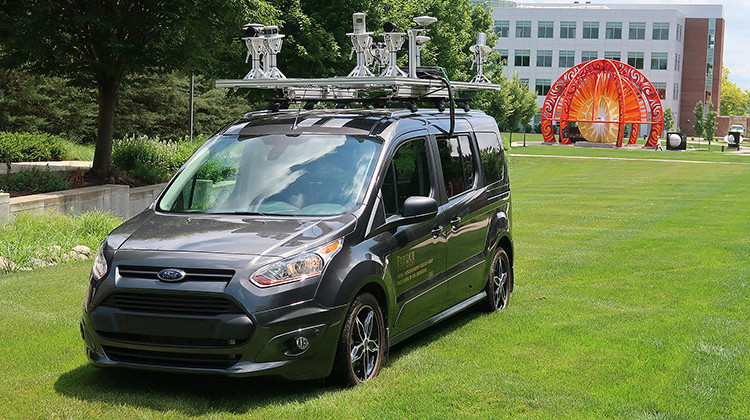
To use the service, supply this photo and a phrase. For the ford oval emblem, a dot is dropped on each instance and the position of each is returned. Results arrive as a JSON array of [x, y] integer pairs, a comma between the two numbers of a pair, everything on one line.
[[171, 275]]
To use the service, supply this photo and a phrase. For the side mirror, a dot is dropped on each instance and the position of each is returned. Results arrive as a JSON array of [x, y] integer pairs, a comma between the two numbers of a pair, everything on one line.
[[419, 208], [416, 209]]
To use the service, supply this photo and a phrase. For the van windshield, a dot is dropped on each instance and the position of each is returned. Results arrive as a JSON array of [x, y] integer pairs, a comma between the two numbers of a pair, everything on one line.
[[303, 175]]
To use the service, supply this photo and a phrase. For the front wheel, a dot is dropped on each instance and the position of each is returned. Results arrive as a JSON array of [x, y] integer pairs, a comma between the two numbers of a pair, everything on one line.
[[362, 346], [498, 286]]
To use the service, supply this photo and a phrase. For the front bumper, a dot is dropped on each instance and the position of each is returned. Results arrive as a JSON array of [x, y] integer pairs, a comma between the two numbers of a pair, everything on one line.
[[232, 344]]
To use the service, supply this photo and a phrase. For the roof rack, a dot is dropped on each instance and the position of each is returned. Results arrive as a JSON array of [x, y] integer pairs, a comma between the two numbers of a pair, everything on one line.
[[419, 84], [336, 88]]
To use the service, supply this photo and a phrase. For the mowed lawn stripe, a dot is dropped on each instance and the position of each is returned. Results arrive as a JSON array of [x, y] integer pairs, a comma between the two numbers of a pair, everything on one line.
[[632, 289]]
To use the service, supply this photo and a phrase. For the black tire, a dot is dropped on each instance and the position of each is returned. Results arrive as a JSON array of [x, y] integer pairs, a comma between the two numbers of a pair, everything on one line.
[[498, 284], [353, 367]]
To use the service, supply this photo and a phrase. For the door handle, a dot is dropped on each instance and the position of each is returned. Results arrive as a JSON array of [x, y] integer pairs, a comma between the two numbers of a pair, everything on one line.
[[436, 231], [455, 221]]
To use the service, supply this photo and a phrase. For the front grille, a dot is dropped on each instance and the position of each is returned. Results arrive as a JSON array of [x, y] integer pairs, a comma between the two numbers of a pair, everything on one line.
[[191, 274], [162, 358], [156, 340], [172, 303]]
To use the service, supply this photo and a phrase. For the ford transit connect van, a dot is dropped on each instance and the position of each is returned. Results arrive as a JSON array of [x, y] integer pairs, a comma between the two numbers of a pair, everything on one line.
[[304, 244]]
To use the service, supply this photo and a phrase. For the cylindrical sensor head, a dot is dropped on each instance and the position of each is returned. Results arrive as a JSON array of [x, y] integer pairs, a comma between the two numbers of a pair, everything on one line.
[[360, 24]]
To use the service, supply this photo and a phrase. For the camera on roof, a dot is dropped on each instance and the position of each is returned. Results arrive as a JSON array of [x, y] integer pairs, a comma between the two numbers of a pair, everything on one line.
[[253, 30], [391, 27]]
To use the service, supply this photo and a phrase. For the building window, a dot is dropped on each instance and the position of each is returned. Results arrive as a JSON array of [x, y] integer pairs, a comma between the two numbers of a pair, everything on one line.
[[546, 29], [523, 82], [661, 89], [523, 29], [676, 92], [679, 33], [544, 58], [677, 63], [709, 69], [503, 57], [589, 55], [567, 59], [637, 30], [635, 59], [658, 61], [661, 30], [612, 55], [614, 30], [523, 58], [502, 28], [542, 86], [590, 30], [567, 29]]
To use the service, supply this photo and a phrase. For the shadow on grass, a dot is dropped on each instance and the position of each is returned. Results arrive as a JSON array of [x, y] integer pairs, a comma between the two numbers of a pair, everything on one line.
[[196, 395]]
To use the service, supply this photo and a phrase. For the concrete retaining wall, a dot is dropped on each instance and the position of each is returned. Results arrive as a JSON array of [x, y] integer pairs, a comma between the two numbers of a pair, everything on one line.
[[4, 207], [123, 201], [141, 197]]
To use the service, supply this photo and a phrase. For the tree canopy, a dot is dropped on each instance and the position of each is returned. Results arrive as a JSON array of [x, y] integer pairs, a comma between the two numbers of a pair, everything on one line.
[[100, 42], [734, 101]]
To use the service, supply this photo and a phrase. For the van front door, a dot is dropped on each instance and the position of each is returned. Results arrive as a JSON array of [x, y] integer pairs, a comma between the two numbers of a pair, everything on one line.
[[418, 257]]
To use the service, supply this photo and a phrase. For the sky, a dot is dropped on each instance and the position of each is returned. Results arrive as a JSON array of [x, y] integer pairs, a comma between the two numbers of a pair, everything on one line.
[[737, 32]]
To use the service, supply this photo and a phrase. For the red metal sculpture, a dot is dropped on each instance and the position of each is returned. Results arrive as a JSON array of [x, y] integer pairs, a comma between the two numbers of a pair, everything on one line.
[[601, 96]]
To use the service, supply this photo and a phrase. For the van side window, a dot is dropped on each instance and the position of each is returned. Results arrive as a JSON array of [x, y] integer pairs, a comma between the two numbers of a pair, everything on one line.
[[491, 153], [408, 175], [458, 164]]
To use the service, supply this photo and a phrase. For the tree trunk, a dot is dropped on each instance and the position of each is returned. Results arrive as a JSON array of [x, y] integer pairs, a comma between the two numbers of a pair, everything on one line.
[[102, 167]]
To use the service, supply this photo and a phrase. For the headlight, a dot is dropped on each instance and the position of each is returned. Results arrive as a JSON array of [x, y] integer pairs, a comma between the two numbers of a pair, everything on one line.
[[99, 270], [299, 267]]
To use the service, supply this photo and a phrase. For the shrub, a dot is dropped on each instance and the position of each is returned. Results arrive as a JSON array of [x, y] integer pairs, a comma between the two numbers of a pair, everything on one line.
[[34, 181], [50, 236], [30, 147], [151, 160]]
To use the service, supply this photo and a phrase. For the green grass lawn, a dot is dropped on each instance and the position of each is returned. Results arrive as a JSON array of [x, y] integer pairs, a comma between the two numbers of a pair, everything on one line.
[[631, 301]]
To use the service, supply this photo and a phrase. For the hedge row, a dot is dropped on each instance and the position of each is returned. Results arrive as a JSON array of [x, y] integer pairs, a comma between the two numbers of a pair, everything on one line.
[[35, 181], [152, 160], [30, 147]]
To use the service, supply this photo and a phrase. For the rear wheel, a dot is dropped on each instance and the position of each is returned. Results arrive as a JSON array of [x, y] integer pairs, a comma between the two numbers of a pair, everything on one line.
[[362, 346], [498, 286]]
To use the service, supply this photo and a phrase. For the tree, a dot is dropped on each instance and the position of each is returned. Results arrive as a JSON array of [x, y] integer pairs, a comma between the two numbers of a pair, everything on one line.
[[709, 123], [100, 42], [733, 100], [698, 123], [668, 119], [525, 105]]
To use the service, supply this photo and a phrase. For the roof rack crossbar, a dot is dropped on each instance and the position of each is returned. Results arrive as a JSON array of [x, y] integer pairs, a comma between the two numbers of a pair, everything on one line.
[[297, 89]]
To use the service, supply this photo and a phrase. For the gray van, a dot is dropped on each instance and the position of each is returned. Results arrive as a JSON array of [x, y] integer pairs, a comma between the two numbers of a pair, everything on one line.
[[305, 243]]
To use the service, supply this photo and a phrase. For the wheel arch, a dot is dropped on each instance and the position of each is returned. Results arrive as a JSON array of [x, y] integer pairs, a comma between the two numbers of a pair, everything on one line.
[[506, 244]]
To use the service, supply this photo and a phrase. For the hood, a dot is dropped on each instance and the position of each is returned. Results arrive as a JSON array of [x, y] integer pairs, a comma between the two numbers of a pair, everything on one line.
[[256, 235]]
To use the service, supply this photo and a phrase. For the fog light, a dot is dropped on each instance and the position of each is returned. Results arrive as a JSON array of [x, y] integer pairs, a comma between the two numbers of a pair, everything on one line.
[[302, 343], [92, 355]]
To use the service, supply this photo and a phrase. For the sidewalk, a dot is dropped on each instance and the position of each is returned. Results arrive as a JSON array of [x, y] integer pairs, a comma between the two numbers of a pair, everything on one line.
[[61, 166]]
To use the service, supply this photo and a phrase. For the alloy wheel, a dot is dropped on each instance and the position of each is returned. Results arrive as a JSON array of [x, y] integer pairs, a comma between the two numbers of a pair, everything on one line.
[[365, 346]]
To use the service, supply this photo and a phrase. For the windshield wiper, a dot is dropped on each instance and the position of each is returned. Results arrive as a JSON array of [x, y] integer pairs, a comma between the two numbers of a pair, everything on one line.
[[250, 213]]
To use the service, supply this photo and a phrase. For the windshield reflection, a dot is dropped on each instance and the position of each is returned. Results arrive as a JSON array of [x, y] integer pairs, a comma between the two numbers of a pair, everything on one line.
[[306, 175]]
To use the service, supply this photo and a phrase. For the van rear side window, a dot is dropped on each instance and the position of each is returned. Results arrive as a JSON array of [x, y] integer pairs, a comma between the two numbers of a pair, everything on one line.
[[492, 157]]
